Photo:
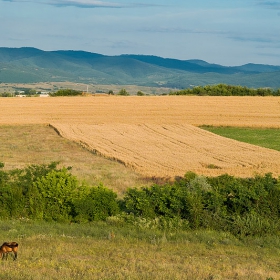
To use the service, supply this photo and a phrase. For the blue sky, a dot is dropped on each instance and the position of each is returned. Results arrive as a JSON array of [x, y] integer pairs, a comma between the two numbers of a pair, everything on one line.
[[227, 32]]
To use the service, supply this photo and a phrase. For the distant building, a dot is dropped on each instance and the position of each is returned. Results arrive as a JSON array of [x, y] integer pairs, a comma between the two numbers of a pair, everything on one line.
[[44, 94]]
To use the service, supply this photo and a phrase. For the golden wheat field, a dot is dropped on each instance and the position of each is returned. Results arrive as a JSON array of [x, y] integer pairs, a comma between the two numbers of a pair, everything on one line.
[[158, 135]]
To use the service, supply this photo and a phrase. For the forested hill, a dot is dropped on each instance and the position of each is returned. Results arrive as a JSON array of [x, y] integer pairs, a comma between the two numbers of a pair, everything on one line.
[[28, 65]]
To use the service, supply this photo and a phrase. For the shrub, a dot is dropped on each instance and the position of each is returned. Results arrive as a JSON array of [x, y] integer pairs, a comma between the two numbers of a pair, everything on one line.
[[140, 93], [243, 206], [56, 191], [253, 225], [67, 92], [123, 92], [158, 200], [97, 203], [226, 90]]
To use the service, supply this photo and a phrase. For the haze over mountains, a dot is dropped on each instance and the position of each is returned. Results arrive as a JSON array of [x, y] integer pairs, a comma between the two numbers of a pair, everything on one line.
[[31, 65]]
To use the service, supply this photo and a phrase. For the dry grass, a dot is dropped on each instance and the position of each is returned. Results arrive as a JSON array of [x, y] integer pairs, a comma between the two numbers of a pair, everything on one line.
[[46, 252], [46, 257], [156, 135], [40, 144]]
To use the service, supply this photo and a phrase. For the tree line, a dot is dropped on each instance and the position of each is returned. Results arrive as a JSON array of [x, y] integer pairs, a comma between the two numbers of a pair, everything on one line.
[[227, 90], [242, 206], [209, 90]]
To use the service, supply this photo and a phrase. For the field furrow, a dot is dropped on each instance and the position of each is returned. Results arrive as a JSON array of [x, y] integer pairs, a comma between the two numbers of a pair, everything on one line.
[[172, 150], [158, 135]]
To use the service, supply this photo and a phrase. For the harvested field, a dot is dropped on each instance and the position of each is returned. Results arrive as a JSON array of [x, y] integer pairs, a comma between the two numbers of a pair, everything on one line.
[[157, 136], [194, 110], [172, 150]]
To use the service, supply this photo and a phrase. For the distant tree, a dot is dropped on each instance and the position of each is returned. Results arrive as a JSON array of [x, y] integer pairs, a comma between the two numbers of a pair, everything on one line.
[[277, 92], [67, 92], [6, 94], [110, 92], [226, 90], [123, 92], [30, 91], [140, 93]]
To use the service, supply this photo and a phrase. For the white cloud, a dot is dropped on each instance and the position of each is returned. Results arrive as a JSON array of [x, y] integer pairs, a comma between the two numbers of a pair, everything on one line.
[[270, 4], [84, 3]]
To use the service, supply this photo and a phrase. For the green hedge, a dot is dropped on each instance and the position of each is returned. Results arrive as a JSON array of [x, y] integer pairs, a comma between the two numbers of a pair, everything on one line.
[[44, 192], [67, 92], [239, 205], [243, 206], [226, 90]]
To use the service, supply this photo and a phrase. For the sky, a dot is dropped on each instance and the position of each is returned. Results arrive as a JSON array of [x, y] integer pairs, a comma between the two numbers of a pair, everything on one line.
[[226, 32]]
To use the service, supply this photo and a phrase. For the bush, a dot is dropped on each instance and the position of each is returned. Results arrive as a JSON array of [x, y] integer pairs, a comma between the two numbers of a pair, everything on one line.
[[140, 93], [154, 201], [253, 225], [123, 92], [97, 203], [67, 92], [56, 191], [226, 90], [238, 205], [243, 206], [44, 192]]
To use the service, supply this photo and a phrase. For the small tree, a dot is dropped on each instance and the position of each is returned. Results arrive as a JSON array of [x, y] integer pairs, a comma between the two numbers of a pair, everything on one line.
[[57, 191], [140, 93], [30, 91], [123, 92]]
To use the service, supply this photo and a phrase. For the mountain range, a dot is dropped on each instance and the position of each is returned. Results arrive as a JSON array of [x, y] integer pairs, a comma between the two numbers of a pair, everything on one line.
[[31, 65]]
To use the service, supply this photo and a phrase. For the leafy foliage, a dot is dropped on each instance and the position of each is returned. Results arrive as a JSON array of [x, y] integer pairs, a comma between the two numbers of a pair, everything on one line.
[[239, 205], [123, 92], [45, 192], [6, 94], [66, 92], [140, 93], [97, 203], [227, 90], [242, 206], [56, 191]]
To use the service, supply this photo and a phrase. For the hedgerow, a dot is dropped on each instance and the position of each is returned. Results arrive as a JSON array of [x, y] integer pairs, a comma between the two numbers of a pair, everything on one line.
[[45, 192], [242, 206], [226, 90]]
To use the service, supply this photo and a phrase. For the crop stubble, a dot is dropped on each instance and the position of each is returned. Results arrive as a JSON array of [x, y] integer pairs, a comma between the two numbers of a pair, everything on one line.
[[157, 136]]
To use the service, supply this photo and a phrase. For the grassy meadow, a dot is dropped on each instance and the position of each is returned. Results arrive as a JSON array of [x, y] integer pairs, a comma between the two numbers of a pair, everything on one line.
[[112, 250], [88, 251], [264, 137], [109, 250], [23, 145]]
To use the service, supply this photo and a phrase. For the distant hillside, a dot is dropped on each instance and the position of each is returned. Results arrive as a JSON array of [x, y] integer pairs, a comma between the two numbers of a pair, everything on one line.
[[29, 65]]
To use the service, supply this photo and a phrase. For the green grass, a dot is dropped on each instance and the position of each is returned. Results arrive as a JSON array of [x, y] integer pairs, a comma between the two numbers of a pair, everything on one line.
[[84, 251], [264, 137]]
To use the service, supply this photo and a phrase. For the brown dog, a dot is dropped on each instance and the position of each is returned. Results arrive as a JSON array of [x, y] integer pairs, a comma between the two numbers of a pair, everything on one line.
[[8, 247]]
